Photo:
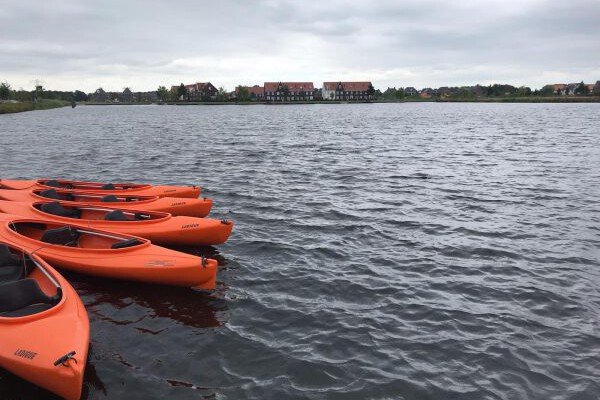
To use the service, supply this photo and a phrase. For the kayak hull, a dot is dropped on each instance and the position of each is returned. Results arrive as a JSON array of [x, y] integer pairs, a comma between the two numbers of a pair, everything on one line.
[[175, 206], [31, 344], [143, 262], [96, 187], [165, 229]]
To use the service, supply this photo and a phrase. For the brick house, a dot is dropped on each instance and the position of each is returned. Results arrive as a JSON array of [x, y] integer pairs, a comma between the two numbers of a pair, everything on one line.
[[427, 93], [288, 91], [347, 91], [590, 87], [201, 91], [559, 88]]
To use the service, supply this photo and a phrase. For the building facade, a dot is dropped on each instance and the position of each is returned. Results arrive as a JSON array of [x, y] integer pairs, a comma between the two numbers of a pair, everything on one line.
[[288, 91], [348, 91], [201, 91]]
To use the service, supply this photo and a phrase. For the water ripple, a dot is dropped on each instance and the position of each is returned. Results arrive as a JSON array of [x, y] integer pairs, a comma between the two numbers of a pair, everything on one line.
[[381, 251]]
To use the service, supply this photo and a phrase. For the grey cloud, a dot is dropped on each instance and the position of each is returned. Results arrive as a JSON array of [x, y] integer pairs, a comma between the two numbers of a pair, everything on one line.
[[406, 43]]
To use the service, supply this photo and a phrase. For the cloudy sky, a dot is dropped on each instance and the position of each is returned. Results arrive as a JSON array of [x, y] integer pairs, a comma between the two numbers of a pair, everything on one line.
[[70, 44]]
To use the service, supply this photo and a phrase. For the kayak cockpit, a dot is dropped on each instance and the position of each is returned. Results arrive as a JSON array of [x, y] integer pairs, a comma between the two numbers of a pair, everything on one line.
[[71, 236], [26, 288], [64, 195], [96, 213]]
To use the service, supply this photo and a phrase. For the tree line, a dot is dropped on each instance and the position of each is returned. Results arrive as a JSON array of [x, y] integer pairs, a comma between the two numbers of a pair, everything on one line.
[[496, 90], [8, 93]]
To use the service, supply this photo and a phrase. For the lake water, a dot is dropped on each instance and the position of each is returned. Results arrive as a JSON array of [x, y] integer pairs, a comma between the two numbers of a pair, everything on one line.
[[381, 251]]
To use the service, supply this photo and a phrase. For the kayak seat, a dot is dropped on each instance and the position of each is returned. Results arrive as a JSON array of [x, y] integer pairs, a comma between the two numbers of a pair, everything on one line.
[[65, 236], [126, 243], [50, 194], [111, 198], [21, 296], [56, 184], [6, 257], [55, 208], [11, 273], [108, 186], [10, 266], [116, 215], [53, 183]]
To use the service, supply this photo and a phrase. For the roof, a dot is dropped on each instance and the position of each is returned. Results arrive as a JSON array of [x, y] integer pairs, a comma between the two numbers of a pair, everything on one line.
[[292, 86], [197, 87], [348, 86], [256, 90]]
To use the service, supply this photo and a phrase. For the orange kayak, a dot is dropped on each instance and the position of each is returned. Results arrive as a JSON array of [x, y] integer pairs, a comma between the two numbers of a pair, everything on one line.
[[114, 255], [160, 228], [104, 188], [44, 328], [175, 206]]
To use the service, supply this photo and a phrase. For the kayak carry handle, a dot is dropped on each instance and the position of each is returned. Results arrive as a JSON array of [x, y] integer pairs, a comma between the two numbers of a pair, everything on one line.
[[204, 262], [64, 359], [226, 222]]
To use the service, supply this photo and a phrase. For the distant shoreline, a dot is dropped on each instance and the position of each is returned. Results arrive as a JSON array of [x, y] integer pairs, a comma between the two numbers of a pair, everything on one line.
[[530, 99], [42, 104], [9, 108]]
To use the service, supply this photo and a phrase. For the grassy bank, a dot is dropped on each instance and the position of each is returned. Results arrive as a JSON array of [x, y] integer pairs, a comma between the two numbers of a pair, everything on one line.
[[43, 104]]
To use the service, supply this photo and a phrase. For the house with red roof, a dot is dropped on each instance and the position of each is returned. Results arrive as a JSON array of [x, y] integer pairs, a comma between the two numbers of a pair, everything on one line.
[[348, 91], [288, 91]]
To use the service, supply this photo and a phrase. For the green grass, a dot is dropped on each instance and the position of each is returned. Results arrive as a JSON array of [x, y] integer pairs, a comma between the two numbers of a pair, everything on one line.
[[42, 104], [6, 108]]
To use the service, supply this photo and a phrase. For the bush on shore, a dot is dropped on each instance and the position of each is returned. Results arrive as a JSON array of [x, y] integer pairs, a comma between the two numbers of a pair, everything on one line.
[[42, 104]]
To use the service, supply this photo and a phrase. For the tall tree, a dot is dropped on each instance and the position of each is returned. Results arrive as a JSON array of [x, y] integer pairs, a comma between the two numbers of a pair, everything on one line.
[[222, 94], [4, 90], [596, 90], [400, 93], [80, 96], [582, 89], [371, 90], [243, 94], [547, 90], [181, 92], [162, 93], [390, 93]]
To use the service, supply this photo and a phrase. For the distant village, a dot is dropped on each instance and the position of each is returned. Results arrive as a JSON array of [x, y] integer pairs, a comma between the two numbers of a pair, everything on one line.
[[274, 92], [291, 92]]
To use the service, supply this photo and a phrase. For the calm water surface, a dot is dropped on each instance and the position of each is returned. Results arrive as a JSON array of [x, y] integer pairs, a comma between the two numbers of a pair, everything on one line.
[[381, 251]]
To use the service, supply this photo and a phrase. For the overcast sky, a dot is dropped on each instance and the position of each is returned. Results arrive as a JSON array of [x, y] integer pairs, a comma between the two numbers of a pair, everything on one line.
[[422, 43]]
